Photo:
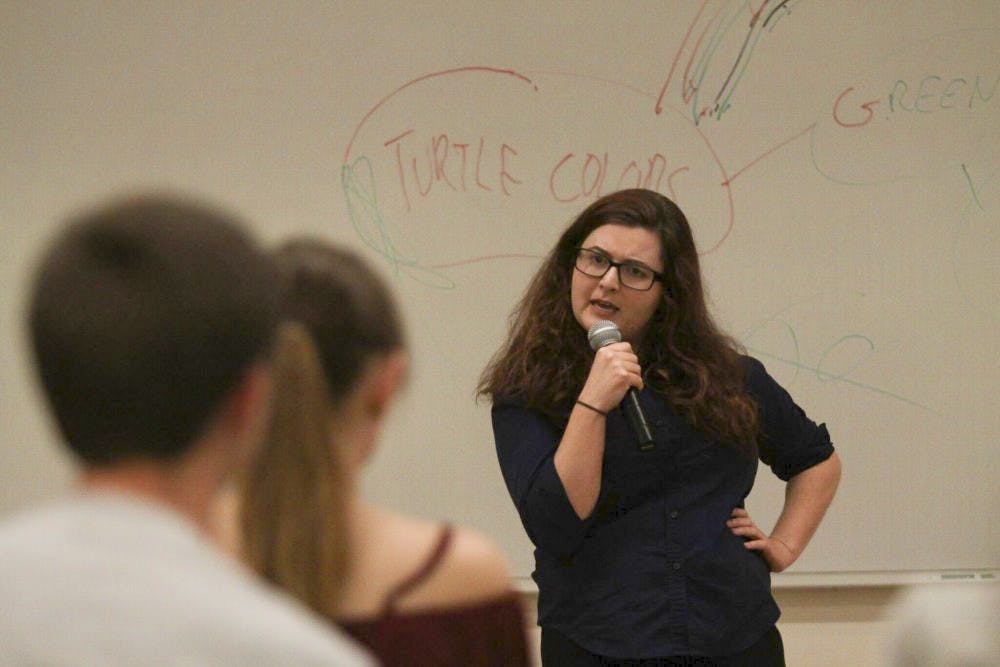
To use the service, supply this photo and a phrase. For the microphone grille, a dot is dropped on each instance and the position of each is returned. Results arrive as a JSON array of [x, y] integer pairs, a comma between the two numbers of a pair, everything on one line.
[[603, 333]]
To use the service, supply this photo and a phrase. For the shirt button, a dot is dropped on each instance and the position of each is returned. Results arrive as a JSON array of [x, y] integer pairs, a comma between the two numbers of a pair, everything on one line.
[[674, 514]]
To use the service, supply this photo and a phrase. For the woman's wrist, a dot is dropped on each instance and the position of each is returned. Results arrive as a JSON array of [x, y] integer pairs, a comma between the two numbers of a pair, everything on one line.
[[793, 552], [592, 407]]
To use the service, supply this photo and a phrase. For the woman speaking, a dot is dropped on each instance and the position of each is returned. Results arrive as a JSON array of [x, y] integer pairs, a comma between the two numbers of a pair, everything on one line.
[[644, 549]]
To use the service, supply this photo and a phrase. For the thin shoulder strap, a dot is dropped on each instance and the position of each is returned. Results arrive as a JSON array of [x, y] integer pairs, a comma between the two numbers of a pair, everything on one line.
[[425, 570]]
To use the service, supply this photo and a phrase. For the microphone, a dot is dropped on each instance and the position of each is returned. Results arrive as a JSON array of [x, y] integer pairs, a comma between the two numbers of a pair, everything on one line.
[[606, 332]]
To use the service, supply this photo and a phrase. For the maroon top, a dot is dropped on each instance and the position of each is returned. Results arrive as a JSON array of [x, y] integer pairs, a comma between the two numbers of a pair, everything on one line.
[[484, 633]]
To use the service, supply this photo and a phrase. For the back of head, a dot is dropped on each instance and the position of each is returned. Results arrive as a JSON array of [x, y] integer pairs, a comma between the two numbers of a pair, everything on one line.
[[339, 316], [344, 305], [144, 316]]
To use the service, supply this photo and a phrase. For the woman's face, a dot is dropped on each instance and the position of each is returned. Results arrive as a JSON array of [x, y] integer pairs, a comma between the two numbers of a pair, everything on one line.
[[606, 298]]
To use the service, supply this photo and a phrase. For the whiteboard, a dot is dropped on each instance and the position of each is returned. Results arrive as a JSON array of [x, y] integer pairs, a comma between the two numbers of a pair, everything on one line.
[[838, 162]]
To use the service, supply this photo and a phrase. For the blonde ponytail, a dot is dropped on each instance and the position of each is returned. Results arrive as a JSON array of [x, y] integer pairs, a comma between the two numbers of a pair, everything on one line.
[[293, 513]]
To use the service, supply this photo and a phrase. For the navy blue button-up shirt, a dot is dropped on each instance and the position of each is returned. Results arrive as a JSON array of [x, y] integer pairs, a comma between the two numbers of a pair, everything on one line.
[[654, 570]]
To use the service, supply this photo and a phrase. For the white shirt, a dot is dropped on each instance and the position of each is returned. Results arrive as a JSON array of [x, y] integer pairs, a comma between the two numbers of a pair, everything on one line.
[[113, 580], [945, 625]]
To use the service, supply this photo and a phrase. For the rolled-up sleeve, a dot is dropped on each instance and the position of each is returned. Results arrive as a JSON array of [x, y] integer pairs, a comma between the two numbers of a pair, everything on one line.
[[790, 441], [526, 443]]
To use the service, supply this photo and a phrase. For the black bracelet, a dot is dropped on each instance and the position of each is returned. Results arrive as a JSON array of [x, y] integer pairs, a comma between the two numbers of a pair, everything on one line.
[[591, 407]]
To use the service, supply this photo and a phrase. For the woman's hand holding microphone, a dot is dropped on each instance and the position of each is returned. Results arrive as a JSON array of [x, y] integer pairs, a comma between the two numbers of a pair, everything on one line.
[[615, 370]]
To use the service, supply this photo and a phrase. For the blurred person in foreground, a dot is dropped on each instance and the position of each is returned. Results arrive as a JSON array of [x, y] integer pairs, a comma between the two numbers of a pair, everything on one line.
[[152, 321], [945, 625], [414, 592]]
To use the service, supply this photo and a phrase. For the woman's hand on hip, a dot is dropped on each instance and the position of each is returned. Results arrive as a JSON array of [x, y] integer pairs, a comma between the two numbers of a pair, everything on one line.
[[615, 369], [776, 553]]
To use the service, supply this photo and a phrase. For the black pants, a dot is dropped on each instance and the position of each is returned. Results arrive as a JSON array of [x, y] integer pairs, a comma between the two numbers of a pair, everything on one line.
[[560, 651]]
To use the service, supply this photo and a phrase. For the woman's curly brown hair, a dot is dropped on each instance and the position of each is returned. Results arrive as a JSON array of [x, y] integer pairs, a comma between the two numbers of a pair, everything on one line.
[[697, 369]]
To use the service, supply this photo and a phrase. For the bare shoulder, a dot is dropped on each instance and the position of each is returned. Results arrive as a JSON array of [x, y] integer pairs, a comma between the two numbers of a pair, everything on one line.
[[472, 570], [477, 562]]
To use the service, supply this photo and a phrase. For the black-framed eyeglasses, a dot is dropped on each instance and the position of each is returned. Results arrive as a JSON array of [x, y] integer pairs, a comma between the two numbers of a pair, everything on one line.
[[632, 274]]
